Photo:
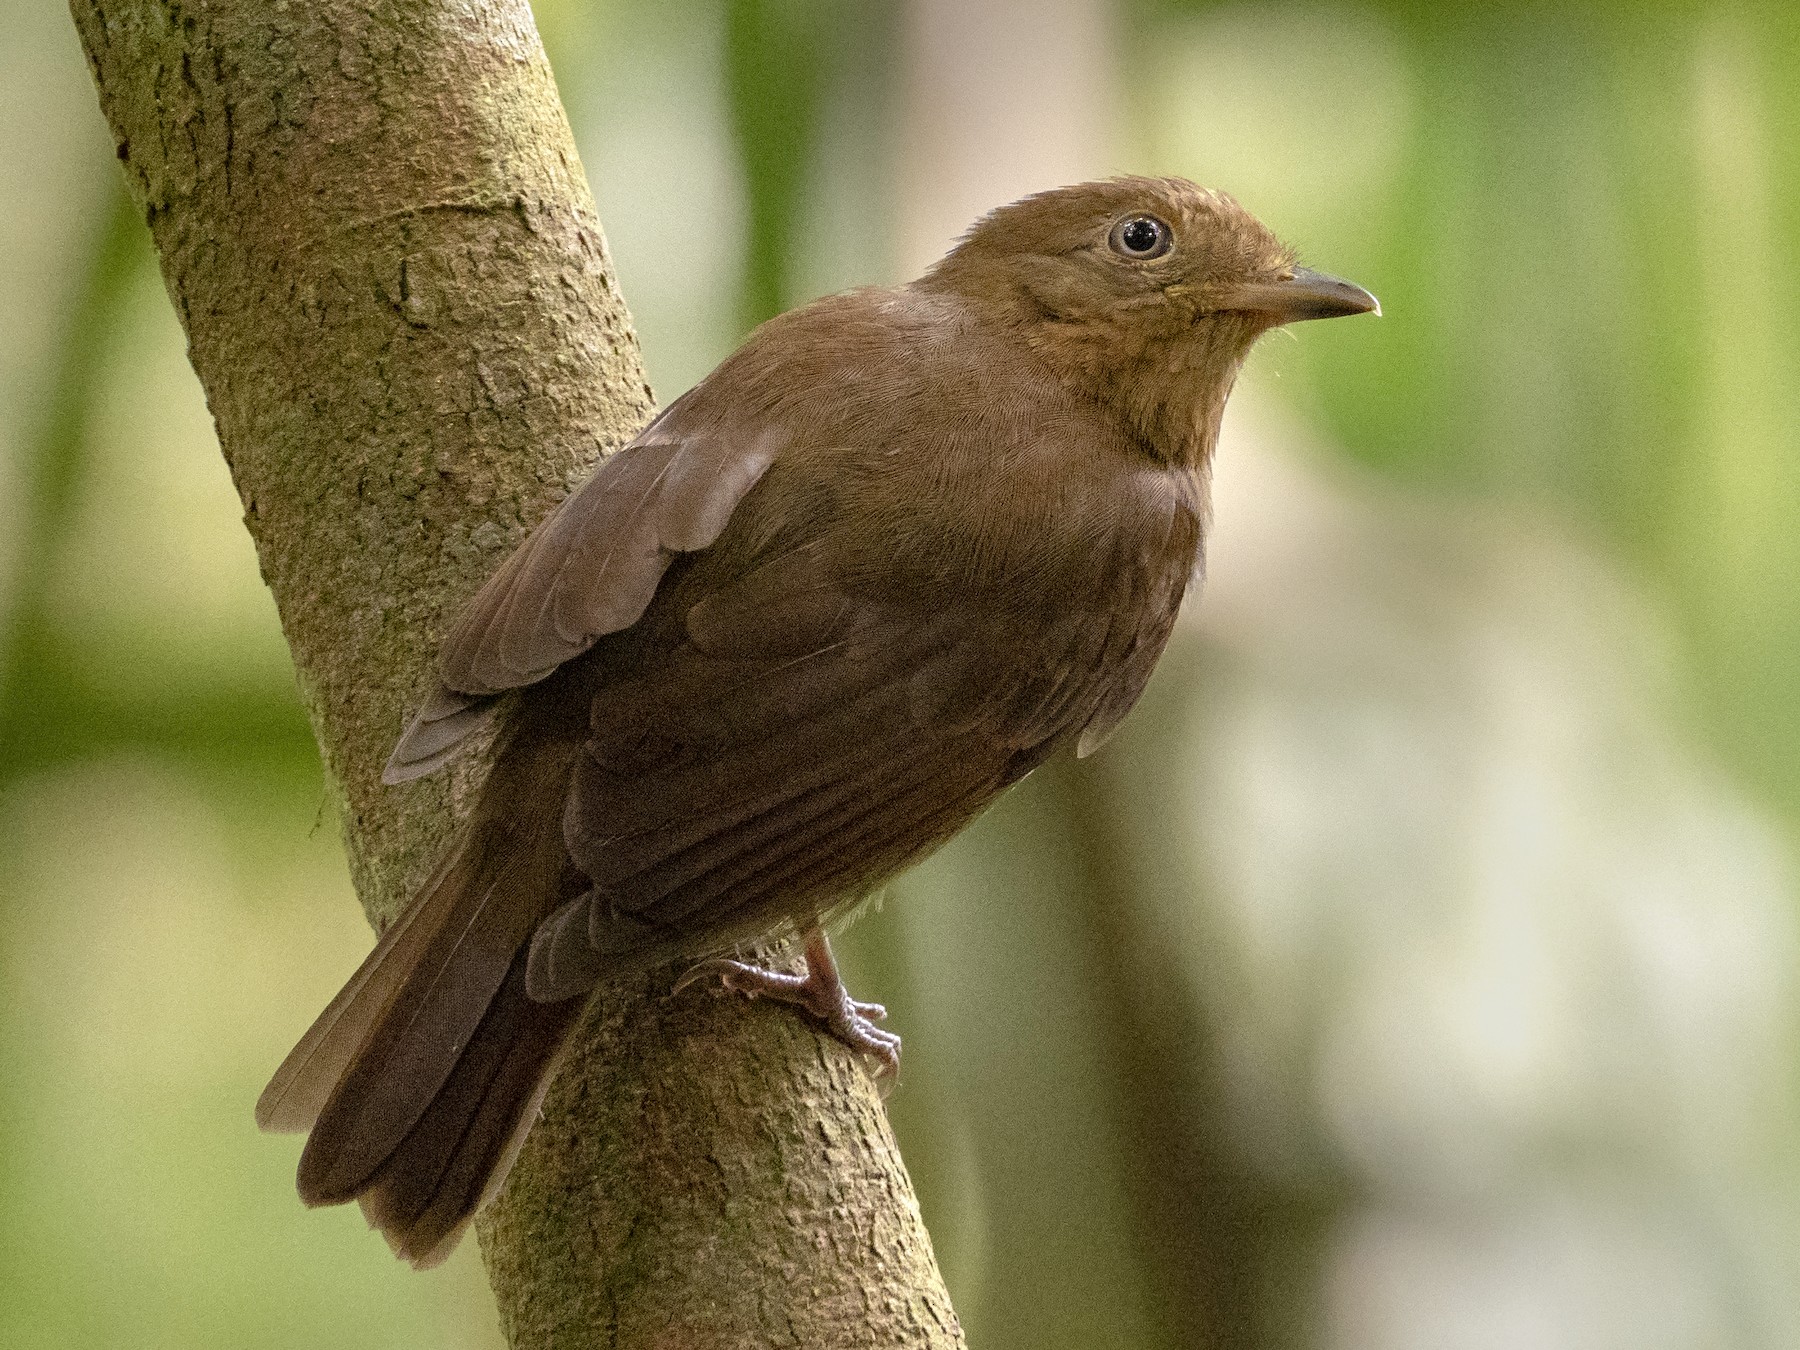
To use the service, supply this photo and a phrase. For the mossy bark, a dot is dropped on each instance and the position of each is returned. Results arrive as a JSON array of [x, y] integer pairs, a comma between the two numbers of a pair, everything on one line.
[[372, 222]]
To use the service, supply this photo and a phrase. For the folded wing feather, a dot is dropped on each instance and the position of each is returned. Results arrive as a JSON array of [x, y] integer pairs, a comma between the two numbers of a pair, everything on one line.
[[590, 569]]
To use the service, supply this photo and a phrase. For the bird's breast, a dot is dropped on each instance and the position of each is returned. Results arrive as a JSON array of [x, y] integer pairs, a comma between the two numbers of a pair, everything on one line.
[[1053, 529]]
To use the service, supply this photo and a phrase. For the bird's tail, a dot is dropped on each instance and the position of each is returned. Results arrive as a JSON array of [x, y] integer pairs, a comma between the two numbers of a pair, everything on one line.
[[419, 1081]]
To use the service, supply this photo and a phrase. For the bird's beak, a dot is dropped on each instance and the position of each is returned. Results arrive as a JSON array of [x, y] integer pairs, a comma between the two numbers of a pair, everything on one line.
[[1305, 295]]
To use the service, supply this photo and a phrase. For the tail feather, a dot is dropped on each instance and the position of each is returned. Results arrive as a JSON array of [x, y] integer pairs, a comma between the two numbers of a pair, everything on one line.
[[414, 1044], [456, 1156], [420, 1079], [303, 1084]]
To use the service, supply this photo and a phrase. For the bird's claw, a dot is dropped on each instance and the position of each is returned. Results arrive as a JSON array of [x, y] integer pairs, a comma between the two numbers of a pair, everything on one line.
[[820, 993]]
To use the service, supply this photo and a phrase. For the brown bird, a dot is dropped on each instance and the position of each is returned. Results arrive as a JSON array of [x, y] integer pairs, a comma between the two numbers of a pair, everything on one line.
[[895, 551]]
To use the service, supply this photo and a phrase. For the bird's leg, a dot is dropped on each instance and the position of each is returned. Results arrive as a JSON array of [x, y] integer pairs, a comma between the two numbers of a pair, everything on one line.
[[820, 992]]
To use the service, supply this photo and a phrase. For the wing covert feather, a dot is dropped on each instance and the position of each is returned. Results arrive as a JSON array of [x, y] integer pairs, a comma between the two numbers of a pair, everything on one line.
[[593, 566]]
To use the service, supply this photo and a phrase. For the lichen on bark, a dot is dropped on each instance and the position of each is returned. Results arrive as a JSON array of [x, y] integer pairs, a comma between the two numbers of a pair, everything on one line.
[[373, 225]]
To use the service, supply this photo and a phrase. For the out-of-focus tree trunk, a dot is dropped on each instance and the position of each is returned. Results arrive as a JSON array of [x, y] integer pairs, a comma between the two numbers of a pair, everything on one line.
[[372, 222]]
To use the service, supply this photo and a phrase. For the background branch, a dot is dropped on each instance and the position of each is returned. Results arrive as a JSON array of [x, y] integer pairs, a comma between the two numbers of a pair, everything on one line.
[[373, 226]]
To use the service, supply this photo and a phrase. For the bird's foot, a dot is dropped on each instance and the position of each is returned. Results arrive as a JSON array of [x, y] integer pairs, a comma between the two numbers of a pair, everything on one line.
[[820, 992]]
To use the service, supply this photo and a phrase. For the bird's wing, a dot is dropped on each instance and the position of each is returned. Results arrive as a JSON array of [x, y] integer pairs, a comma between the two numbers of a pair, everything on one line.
[[800, 745], [591, 568]]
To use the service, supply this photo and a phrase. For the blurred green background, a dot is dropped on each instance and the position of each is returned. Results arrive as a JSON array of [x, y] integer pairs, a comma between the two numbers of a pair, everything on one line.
[[1417, 971]]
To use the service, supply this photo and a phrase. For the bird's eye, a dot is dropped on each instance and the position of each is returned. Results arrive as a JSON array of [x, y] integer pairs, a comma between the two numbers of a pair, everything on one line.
[[1141, 238]]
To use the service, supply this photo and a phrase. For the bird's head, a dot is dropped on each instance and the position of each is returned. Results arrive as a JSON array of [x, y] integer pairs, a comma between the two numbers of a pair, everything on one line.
[[1144, 292]]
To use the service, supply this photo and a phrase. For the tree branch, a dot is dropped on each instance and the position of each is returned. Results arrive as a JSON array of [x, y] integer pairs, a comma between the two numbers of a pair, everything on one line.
[[373, 225]]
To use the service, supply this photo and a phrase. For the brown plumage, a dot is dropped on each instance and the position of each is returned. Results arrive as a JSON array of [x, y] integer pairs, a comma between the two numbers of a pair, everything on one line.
[[890, 555]]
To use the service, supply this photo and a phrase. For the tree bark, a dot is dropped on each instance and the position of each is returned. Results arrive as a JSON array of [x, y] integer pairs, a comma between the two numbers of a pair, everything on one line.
[[373, 225]]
